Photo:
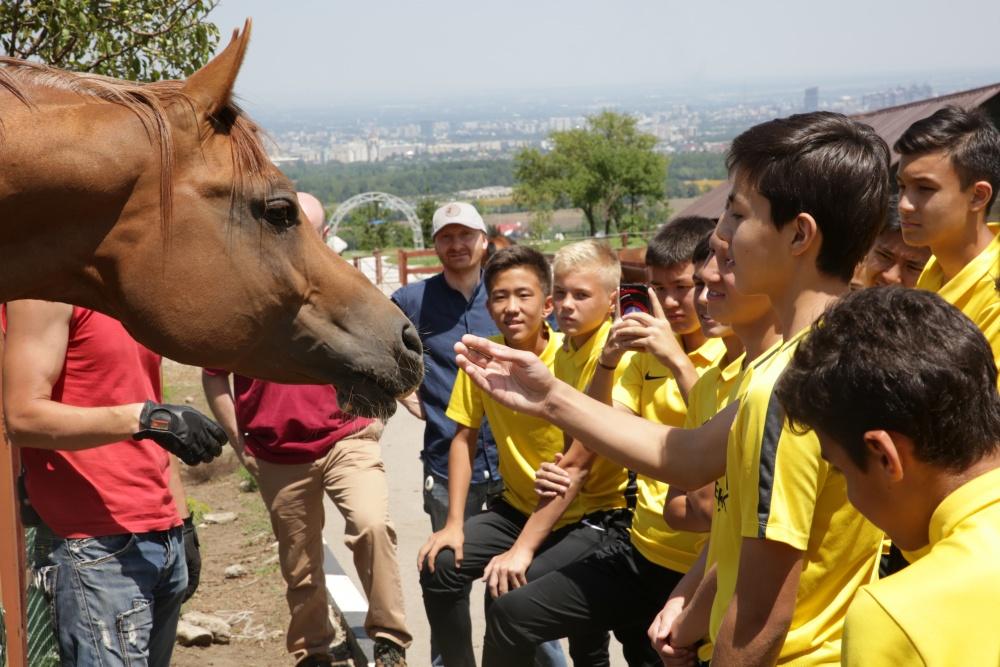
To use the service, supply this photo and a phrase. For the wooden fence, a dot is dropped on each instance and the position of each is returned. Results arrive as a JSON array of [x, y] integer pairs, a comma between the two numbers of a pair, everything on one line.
[[12, 567]]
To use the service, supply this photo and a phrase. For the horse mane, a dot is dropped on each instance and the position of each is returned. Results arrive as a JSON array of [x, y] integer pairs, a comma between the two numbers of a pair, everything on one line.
[[148, 101]]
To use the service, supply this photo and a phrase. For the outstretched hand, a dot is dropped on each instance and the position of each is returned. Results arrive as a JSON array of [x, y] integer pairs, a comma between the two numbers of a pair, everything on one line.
[[514, 378]]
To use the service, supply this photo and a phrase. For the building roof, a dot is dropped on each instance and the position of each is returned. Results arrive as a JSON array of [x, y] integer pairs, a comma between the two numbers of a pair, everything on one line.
[[890, 123]]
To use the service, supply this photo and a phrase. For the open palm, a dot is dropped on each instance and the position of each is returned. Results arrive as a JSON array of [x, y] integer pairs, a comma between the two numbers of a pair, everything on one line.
[[516, 379]]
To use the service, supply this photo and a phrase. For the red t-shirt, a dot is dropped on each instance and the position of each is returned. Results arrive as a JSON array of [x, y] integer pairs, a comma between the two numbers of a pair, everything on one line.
[[116, 488], [289, 423]]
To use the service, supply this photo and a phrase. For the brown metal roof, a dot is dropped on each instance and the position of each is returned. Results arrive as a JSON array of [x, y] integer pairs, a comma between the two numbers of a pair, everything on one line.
[[890, 123]]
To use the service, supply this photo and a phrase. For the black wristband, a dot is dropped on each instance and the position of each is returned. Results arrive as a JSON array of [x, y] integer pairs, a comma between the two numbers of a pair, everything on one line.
[[605, 366]]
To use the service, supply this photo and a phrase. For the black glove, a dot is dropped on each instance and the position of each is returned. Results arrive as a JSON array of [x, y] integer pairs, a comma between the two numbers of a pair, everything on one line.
[[184, 432], [192, 554]]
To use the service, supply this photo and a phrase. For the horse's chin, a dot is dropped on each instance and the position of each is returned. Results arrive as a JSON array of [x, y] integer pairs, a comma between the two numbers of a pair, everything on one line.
[[366, 399]]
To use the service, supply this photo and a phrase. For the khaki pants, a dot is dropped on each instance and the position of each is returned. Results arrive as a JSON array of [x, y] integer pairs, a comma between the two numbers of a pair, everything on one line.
[[353, 475]]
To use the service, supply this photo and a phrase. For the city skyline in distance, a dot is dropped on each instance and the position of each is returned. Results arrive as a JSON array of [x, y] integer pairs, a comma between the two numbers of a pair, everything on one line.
[[312, 55]]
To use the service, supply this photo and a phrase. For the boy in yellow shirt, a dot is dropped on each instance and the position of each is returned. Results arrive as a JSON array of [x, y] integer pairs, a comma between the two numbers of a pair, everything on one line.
[[809, 195], [517, 280], [585, 287], [751, 322], [891, 261], [901, 388], [949, 176], [621, 586], [585, 292]]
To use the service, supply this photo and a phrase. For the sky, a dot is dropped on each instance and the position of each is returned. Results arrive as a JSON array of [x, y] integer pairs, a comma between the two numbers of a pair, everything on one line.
[[314, 53]]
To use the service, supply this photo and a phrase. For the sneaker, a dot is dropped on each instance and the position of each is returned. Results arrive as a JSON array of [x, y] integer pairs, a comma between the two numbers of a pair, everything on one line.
[[389, 654]]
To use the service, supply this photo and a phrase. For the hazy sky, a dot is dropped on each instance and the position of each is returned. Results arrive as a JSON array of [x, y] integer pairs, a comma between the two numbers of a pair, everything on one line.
[[310, 53]]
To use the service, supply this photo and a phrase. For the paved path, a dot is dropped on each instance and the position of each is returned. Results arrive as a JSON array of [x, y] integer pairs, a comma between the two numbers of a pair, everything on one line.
[[400, 448]]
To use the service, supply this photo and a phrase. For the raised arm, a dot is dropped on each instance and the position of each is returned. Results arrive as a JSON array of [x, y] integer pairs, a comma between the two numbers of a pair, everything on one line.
[[688, 458]]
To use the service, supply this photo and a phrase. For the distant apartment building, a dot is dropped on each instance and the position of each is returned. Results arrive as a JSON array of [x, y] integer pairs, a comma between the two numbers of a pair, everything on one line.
[[810, 101], [895, 96], [560, 124]]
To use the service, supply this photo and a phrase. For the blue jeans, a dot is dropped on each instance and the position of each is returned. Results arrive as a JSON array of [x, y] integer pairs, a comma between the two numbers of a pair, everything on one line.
[[116, 598], [436, 498]]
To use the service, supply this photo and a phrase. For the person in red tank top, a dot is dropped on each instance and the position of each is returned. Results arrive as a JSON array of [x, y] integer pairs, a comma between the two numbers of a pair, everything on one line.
[[81, 402], [299, 445]]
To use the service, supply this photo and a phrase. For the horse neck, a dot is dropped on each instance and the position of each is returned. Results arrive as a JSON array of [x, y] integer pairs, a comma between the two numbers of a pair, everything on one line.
[[70, 168]]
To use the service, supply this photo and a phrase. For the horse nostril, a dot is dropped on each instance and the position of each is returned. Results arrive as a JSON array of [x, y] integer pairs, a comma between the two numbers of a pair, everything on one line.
[[411, 341]]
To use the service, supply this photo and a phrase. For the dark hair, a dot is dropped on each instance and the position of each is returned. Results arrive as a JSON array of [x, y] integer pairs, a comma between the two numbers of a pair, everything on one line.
[[702, 251], [967, 136], [896, 359], [824, 164], [891, 222], [676, 240], [518, 256]]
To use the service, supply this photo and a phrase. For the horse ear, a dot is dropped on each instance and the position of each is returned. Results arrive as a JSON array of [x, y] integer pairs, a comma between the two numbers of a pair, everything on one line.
[[211, 86]]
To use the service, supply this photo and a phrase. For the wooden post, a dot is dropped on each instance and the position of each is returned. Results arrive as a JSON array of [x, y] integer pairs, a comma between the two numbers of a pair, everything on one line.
[[378, 267], [11, 552], [357, 263], [402, 266]]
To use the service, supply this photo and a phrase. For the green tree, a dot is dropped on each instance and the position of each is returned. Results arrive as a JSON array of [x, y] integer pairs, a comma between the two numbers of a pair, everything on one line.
[[425, 212], [144, 40], [608, 170]]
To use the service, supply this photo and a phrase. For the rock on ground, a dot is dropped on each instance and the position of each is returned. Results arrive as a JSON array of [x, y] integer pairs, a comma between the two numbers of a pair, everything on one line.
[[221, 632], [192, 635], [235, 571]]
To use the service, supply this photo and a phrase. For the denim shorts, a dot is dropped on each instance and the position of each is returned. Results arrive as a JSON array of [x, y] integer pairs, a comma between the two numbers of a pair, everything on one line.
[[116, 598]]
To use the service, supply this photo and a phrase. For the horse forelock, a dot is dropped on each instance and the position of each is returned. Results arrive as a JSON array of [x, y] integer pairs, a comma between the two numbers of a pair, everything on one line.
[[148, 101]]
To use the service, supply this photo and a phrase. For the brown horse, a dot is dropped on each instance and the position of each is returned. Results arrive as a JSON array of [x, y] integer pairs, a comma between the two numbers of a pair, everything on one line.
[[156, 204]]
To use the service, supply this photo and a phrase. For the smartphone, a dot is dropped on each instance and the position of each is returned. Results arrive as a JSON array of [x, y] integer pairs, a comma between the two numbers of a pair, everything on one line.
[[634, 298]]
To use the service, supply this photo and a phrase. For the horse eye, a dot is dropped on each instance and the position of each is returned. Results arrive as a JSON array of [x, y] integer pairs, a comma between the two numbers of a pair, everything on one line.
[[281, 213]]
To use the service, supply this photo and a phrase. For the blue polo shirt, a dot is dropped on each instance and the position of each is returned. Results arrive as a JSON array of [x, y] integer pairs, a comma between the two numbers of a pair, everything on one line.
[[442, 316]]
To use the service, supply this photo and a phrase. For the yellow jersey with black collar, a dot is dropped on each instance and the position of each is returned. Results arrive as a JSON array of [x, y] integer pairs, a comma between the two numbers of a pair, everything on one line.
[[781, 489], [648, 388]]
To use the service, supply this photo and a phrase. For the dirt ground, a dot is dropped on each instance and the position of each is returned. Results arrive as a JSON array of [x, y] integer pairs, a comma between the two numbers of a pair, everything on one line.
[[254, 604]]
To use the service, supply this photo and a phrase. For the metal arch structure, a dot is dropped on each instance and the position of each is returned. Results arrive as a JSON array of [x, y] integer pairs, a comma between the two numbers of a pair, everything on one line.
[[392, 201]]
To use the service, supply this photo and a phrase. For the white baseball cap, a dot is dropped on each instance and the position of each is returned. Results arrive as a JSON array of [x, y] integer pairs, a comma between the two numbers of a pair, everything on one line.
[[457, 213]]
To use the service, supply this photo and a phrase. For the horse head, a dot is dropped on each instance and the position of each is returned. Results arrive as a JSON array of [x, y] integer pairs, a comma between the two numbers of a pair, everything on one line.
[[162, 209]]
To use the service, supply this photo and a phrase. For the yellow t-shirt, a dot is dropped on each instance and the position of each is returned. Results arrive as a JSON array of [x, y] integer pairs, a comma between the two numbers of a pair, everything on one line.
[[780, 489], [713, 391], [523, 442], [941, 611], [973, 289], [605, 485], [649, 389]]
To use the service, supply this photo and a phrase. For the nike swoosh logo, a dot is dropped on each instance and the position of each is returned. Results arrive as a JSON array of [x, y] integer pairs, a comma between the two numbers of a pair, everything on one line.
[[654, 377]]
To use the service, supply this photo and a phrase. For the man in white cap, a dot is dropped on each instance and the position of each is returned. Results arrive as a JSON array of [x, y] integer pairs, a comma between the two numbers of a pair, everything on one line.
[[444, 308]]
